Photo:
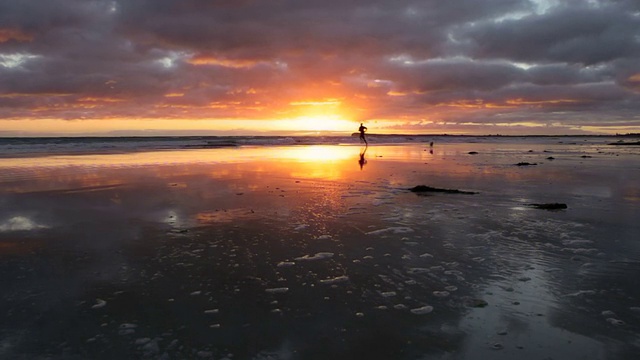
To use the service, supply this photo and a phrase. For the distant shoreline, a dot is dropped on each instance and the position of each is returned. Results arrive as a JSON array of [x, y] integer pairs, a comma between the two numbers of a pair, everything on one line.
[[204, 137]]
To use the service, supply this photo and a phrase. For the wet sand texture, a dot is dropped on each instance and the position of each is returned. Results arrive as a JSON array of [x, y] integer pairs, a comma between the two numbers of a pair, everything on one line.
[[299, 253]]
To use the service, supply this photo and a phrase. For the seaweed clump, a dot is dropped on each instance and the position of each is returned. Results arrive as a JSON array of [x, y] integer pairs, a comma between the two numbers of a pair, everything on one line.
[[549, 206], [421, 189]]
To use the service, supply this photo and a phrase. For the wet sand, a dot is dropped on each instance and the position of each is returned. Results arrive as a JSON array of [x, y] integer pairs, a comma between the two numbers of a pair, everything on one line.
[[314, 252]]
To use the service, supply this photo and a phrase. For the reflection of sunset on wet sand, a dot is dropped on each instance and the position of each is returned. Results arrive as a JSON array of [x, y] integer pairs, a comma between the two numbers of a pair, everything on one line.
[[263, 250]]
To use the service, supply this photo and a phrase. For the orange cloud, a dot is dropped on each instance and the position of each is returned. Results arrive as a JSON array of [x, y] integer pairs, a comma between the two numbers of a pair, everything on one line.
[[211, 60], [315, 103], [14, 34], [521, 101], [100, 99]]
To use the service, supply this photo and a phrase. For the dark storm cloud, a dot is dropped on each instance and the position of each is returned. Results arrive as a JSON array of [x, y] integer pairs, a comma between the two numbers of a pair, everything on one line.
[[462, 61], [579, 34]]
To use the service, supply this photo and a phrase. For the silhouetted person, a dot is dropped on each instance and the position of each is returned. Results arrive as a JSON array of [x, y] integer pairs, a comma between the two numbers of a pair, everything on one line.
[[362, 160], [362, 129]]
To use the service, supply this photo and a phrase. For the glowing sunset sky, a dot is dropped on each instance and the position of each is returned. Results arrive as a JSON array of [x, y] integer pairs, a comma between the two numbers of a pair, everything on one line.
[[255, 67]]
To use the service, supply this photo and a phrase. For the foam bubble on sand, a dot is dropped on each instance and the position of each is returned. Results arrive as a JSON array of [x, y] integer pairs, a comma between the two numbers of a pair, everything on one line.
[[388, 294], [301, 227], [399, 306], [582, 292], [576, 242], [99, 303], [286, 263], [335, 280], [324, 237], [581, 251], [318, 256], [151, 348], [127, 329], [142, 341], [394, 230], [198, 292], [441, 293], [615, 322], [211, 311], [426, 255], [412, 271], [451, 288], [422, 310], [279, 290]]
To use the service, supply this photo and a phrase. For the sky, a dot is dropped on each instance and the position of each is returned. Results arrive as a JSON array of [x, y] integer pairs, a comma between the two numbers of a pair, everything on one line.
[[251, 67]]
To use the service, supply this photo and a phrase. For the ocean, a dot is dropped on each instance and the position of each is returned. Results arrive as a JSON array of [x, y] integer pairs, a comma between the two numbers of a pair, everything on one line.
[[24, 146]]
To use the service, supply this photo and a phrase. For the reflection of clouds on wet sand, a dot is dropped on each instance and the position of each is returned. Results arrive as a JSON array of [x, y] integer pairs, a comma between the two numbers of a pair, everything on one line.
[[20, 223]]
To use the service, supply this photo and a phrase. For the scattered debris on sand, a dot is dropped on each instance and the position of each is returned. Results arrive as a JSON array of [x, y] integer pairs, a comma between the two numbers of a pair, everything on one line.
[[549, 206], [625, 143], [421, 189]]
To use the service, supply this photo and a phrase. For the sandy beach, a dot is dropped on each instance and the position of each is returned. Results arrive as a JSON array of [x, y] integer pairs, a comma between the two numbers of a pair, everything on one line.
[[321, 251]]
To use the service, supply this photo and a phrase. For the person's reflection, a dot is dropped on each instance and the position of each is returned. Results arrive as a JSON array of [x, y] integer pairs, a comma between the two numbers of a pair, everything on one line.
[[362, 160]]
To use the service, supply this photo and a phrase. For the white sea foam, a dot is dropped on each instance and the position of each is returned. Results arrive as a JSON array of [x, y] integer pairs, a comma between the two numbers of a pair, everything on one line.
[[212, 311]]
